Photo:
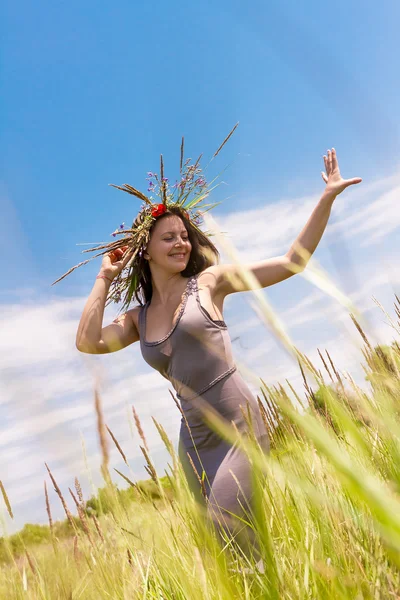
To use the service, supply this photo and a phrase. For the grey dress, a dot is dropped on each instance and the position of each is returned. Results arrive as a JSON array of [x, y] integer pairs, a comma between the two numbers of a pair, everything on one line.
[[196, 357]]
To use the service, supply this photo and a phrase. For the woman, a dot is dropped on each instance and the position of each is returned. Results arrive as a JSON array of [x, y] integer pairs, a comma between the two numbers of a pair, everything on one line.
[[183, 335]]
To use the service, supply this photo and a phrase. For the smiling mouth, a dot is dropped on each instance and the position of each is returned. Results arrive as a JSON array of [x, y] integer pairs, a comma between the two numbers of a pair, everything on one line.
[[178, 255]]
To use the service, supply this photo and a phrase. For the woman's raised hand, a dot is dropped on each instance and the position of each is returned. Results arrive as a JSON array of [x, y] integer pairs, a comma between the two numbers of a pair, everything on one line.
[[113, 262], [335, 184]]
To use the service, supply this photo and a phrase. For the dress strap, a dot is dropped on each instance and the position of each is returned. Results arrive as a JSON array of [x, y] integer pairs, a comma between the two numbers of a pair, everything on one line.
[[141, 319]]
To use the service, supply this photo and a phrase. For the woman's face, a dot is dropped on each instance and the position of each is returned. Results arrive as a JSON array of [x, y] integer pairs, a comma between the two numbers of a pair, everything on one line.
[[169, 246]]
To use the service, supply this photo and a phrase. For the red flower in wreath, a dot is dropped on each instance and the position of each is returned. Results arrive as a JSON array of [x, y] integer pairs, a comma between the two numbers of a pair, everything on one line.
[[158, 210]]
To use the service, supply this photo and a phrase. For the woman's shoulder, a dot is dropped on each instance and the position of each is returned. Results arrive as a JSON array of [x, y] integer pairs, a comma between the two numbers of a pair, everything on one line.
[[133, 313], [211, 278], [210, 272]]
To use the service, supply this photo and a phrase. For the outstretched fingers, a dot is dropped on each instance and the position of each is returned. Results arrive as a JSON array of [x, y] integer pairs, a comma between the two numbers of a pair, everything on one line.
[[330, 162], [326, 164], [335, 164]]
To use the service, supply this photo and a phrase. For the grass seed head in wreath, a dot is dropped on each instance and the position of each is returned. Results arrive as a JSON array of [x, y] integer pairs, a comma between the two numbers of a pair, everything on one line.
[[186, 199]]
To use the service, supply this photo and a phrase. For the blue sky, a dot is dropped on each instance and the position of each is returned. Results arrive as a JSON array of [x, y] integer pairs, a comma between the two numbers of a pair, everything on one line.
[[92, 94]]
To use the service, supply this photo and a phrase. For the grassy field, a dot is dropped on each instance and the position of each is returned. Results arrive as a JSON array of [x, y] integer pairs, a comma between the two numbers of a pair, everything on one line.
[[326, 509]]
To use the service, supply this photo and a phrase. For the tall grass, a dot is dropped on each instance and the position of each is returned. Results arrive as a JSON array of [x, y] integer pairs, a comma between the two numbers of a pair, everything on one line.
[[326, 507]]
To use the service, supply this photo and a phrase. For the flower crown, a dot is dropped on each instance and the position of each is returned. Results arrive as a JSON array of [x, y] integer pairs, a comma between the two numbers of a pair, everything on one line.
[[188, 194]]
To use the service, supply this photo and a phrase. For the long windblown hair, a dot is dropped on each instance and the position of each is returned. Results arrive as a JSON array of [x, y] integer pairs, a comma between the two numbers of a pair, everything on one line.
[[203, 255]]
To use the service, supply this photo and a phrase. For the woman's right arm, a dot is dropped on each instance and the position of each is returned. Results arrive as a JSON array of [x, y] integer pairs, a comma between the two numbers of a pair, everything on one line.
[[92, 337]]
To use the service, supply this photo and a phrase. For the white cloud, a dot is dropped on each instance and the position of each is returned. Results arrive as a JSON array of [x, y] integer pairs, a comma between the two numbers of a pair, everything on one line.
[[370, 208], [372, 220]]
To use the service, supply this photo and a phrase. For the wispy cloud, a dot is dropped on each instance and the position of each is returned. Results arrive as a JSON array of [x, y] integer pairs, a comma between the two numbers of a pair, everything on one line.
[[368, 212]]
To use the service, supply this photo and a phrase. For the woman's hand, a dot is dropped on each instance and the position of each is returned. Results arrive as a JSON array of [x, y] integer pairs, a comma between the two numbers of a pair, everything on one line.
[[115, 261], [335, 184]]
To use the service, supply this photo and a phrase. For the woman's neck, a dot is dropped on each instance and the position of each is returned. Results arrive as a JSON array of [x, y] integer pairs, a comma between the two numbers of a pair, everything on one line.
[[167, 287]]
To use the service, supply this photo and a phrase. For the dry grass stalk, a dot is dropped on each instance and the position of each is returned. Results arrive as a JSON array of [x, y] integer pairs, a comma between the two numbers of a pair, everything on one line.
[[139, 428], [308, 389], [161, 167], [200, 480], [397, 308], [131, 190], [225, 140], [48, 508], [177, 404], [130, 557], [299, 400], [126, 479], [163, 435], [235, 428], [248, 418], [150, 468], [182, 413], [6, 500], [79, 492], [114, 439], [76, 550], [325, 365], [101, 429], [387, 362], [162, 182], [310, 365], [168, 444], [289, 425], [271, 404], [187, 186], [282, 426], [335, 371], [266, 418], [98, 528], [361, 332], [31, 563], [58, 491], [84, 262], [182, 148], [82, 516]]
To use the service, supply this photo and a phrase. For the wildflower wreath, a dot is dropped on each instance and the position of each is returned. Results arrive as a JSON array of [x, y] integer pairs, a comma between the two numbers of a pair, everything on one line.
[[189, 194]]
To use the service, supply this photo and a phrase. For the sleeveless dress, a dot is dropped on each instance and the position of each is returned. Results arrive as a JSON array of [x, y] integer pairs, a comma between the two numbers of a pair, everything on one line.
[[196, 357]]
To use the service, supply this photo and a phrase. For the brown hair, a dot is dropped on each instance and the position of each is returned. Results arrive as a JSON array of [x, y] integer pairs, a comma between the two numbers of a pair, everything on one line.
[[203, 255]]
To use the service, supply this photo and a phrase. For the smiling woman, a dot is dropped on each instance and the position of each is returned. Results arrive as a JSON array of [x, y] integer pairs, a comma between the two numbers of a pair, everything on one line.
[[180, 287], [183, 336]]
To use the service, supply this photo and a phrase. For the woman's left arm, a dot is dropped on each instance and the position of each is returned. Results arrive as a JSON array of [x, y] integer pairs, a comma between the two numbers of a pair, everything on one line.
[[273, 270]]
